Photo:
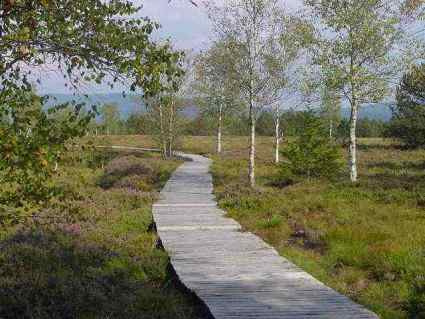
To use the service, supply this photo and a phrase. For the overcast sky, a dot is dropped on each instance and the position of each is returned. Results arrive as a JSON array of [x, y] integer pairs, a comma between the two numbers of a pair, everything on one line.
[[187, 26]]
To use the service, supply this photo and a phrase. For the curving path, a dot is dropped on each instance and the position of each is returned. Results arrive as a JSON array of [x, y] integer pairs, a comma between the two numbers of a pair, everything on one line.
[[236, 274]]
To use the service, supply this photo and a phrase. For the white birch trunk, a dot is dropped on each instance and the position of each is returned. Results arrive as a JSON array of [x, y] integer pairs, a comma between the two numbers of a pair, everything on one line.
[[162, 134], [277, 137], [219, 129], [353, 142], [170, 130], [251, 173], [253, 49]]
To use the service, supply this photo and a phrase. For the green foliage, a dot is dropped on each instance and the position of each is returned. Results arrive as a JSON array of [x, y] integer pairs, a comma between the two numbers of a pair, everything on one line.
[[265, 124], [312, 154], [89, 41], [164, 121], [136, 123], [408, 122], [111, 122], [330, 109], [271, 222], [416, 302], [342, 133], [356, 50], [215, 82], [365, 128], [32, 141], [355, 54], [86, 40], [293, 122], [371, 128]]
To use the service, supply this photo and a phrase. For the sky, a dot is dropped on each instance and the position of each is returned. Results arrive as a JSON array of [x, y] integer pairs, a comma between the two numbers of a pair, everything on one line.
[[186, 25]]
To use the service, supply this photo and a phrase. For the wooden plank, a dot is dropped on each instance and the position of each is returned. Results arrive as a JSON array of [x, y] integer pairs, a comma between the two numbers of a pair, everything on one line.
[[236, 274]]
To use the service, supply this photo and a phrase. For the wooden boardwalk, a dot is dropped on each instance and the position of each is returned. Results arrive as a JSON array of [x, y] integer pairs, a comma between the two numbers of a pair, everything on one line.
[[236, 274]]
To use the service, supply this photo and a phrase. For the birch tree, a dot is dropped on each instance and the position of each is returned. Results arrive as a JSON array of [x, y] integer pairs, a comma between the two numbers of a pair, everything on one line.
[[294, 36], [330, 109], [215, 85], [253, 26], [164, 107], [356, 52]]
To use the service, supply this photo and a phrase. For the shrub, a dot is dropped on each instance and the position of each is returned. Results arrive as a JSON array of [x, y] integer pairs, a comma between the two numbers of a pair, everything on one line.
[[408, 122], [342, 132], [32, 141], [416, 304], [312, 154], [124, 172]]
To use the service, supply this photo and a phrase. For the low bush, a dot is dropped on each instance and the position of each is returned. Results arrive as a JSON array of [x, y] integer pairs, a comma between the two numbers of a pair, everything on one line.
[[312, 154], [127, 171], [416, 302]]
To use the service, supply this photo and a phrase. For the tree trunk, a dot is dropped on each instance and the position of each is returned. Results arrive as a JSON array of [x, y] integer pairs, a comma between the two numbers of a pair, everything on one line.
[[277, 137], [162, 134], [331, 128], [219, 130], [252, 147], [170, 131], [353, 142]]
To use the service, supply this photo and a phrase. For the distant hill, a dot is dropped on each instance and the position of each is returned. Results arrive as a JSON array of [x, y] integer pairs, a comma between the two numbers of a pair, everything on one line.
[[131, 103], [127, 104], [373, 112]]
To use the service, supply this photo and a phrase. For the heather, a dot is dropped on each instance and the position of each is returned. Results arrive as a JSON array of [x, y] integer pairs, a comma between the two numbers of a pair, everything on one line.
[[91, 251]]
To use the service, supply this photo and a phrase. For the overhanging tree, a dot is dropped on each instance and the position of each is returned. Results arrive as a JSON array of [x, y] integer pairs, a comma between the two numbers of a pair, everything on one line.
[[88, 41]]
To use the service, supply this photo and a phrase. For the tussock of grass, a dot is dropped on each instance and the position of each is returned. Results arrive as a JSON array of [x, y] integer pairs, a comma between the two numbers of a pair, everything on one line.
[[92, 253]]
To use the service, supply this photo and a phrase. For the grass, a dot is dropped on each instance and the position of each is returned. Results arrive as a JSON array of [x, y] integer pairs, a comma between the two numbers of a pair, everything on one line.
[[365, 240], [92, 252]]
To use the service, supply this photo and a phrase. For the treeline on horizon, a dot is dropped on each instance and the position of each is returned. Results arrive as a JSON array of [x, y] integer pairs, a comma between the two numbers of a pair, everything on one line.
[[111, 121]]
